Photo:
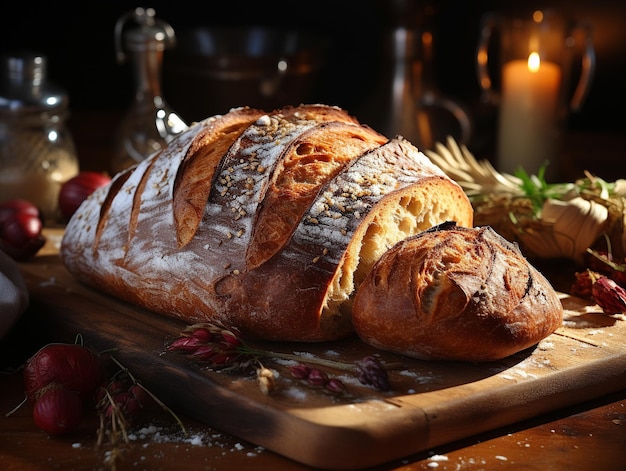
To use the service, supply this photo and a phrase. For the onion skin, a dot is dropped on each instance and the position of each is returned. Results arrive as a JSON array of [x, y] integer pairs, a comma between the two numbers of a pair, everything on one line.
[[76, 190], [58, 411], [72, 367], [20, 229]]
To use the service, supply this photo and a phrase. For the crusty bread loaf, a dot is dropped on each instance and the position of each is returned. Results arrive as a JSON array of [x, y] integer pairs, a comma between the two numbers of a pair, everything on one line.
[[455, 293], [265, 221]]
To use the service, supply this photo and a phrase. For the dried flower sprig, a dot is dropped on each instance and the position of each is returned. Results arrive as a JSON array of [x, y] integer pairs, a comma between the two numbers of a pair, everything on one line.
[[368, 370], [610, 296], [223, 347], [604, 282], [119, 402], [318, 379]]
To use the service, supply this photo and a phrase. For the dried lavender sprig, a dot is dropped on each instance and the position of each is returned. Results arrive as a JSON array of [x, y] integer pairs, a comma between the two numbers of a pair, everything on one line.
[[318, 379], [370, 371]]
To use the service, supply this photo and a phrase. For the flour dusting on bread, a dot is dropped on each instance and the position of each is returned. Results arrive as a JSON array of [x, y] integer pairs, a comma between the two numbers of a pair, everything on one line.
[[265, 221]]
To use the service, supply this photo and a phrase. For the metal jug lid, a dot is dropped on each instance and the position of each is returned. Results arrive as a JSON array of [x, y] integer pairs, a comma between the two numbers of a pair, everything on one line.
[[24, 85], [147, 34]]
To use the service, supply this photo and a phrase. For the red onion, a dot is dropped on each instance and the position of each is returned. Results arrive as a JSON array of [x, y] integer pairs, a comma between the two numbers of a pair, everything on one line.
[[71, 366], [58, 411], [77, 189], [20, 229]]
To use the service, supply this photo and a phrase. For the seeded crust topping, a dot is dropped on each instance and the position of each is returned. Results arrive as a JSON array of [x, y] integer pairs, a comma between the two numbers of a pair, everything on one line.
[[196, 172], [245, 174], [306, 165]]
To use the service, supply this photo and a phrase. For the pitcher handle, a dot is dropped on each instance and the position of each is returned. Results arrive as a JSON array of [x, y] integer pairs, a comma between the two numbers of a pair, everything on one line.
[[461, 116], [488, 24], [587, 69]]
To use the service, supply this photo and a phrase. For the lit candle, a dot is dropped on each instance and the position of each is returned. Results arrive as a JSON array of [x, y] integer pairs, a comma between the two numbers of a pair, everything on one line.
[[529, 127]]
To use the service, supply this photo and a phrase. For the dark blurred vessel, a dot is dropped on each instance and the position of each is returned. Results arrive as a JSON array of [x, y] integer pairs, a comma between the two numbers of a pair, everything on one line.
[[407, 100], [215, 69]]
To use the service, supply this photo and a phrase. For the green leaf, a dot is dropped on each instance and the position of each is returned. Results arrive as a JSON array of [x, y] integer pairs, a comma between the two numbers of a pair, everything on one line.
[[538, 190]]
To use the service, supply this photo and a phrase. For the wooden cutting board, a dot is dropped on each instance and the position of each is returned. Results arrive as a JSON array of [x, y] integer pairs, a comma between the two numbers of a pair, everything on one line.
[[432, 403]]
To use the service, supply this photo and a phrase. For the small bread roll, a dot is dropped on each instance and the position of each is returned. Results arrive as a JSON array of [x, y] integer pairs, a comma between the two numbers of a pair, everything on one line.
[[455, 293]]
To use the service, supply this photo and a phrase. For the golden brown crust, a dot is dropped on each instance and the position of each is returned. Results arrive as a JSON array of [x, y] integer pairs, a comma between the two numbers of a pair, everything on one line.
[[266, 221], [194, 177], [307, 163], [455, 293]]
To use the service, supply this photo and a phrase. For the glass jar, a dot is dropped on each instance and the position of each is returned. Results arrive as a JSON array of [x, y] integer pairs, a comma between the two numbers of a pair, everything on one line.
[[37, 152]]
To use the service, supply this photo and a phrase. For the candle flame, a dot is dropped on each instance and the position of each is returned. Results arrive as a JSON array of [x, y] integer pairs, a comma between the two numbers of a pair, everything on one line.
[[533, 62]]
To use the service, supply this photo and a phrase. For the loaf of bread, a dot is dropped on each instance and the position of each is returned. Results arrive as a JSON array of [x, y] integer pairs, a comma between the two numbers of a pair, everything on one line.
[[265, 221], [455, 293]]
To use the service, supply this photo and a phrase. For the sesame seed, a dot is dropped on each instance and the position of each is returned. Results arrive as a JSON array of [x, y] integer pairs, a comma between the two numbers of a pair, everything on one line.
[[236, 272], [316, 259]]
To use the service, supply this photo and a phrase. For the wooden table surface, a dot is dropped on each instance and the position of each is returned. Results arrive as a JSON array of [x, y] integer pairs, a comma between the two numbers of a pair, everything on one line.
[[591, 435]]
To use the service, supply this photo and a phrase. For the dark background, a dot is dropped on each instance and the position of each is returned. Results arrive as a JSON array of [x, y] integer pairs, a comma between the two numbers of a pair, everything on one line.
[[78, 41]]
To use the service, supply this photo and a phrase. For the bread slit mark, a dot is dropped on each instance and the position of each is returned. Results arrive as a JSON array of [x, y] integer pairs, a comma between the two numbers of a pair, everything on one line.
[[303, 168], [196, 174], [113, 190], [136, 205], [497, 267]]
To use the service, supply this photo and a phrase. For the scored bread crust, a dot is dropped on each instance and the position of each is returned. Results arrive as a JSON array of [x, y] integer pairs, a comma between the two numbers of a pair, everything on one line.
[[264, 221], [455, 293]]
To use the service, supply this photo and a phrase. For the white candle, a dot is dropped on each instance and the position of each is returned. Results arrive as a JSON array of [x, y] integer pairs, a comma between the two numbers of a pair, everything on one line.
[[529, 117]]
